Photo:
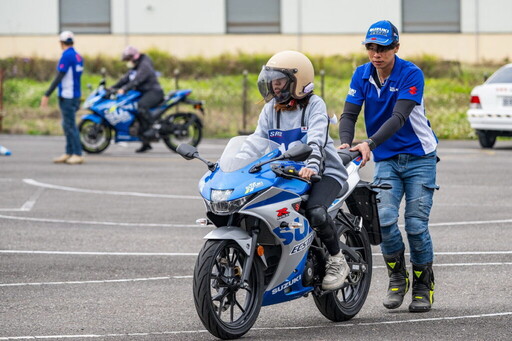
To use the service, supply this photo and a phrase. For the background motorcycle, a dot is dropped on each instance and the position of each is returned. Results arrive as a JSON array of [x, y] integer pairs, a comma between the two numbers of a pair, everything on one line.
[[263, 250], [119, 114]]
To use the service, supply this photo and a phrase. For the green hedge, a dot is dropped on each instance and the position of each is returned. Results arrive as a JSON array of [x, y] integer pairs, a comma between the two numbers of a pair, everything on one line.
[[226, 64]]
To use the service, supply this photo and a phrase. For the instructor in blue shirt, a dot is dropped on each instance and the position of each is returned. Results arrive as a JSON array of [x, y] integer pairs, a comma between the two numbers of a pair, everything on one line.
[[404, 151], [69, 72]]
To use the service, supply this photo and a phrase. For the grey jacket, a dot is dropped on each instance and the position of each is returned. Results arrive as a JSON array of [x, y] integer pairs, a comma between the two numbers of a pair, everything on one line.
[[324, 159], [141, 78]]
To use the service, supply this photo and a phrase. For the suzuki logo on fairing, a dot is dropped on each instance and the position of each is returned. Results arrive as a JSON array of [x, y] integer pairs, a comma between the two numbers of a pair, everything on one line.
[[288, 235], [286, 285], [282, 213], [302, 246]]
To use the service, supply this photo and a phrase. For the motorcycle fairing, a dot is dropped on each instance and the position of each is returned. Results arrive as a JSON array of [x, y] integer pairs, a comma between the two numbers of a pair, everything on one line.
[[233, 233], [244, 183], [291, 288], [276, 207]]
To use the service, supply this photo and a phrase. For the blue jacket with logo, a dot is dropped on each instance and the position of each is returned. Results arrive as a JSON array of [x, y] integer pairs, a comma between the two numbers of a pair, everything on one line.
[[406, 81]]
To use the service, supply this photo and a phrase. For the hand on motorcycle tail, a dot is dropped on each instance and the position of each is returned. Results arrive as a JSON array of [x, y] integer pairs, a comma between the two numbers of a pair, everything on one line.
[[363, 148]]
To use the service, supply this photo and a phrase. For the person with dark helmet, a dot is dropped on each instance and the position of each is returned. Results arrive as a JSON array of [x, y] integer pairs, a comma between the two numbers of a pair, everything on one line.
[[404, 150], [141, 77], [293, 114]]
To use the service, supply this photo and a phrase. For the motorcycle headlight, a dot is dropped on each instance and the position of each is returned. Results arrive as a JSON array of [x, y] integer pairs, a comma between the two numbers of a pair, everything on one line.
[[219, 203], [220, 195]]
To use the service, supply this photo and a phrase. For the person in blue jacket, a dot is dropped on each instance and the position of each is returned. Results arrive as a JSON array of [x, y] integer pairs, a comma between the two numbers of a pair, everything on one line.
[[69, 73], [404, 150]]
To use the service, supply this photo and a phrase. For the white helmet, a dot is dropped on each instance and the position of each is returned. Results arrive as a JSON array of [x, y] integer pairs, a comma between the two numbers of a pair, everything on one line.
[[66, 37], [295, 67]]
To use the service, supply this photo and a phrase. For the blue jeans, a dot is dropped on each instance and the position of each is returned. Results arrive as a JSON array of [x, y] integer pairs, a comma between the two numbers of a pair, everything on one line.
[[68, 108], [414, 177]]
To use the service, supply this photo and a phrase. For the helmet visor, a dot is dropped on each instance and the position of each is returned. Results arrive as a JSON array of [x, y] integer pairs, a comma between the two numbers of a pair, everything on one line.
[[274, 83]]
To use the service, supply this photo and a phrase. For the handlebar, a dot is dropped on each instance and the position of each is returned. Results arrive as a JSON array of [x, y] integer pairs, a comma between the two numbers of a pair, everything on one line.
[[290, 172]]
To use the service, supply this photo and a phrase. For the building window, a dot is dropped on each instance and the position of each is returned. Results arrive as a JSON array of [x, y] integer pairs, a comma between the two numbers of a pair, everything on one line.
[[79, 16], [250, 16], [431, 16]]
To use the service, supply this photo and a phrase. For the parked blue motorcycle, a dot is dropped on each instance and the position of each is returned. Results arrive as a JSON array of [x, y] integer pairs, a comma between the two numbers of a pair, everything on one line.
[[263, 250], [110, 112]]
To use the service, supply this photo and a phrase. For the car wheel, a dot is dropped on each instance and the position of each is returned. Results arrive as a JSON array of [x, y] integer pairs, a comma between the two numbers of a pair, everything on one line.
[[487, 139]]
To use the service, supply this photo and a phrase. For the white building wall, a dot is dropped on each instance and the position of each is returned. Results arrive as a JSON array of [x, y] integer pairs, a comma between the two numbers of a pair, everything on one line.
[[19, 17], [486, 16], [197, 28], [336, 16], [168, 16]]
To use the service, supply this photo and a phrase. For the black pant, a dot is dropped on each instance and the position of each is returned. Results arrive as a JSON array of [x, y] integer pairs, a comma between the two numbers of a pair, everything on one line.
[[148, 100], [323, 194]]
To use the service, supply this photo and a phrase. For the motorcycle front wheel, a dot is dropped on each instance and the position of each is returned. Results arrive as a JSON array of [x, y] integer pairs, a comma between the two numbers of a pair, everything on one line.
[[345, 303], [181, 128], [226, 309], [94, 137]]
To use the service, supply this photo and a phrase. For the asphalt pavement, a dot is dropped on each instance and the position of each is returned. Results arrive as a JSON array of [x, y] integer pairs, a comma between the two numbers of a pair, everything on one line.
[[106, 250]]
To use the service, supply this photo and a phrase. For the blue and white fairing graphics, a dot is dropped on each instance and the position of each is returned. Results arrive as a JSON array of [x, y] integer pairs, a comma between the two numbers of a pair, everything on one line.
[[239, 156]]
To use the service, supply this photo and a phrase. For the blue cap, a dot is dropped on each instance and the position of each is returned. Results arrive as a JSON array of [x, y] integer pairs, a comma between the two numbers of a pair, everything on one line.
[[381, 33]]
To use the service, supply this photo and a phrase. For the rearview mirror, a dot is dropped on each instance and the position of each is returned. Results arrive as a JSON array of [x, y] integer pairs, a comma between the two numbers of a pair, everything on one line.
[[298, 152], [187, 151]]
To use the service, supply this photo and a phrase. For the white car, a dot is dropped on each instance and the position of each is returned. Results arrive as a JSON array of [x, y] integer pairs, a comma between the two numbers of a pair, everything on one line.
[[490, 110]]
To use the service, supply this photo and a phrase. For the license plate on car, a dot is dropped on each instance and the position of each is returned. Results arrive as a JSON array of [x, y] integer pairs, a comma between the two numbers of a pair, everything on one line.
[[507, 101]]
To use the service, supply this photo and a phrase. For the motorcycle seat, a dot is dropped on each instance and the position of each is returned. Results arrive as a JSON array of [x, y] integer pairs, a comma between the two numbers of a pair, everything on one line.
[[343, 190], [347, 156]]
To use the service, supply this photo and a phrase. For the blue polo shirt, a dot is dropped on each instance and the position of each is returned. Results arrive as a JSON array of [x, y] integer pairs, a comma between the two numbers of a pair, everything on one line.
[[406, 81], [71, 63]]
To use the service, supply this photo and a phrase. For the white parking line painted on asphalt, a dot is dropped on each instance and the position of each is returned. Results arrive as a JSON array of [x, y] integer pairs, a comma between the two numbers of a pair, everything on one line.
[[94, 282], [93, 253], [27, 206], [190, 276], [323, 326], [59, 221], [475, 222], [134, 194], [86, 253]]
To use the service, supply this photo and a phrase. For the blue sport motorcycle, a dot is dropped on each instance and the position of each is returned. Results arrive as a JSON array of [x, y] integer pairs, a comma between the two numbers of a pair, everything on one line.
[[263, 250], [110, 113]]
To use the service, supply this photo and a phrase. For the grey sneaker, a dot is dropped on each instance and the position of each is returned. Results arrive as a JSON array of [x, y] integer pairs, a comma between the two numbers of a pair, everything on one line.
[[336, 270]]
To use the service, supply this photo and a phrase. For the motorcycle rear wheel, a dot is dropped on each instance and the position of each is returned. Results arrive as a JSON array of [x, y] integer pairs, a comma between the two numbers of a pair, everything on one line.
[[226, 310], [94, 137], [186, 128], [345, 303]]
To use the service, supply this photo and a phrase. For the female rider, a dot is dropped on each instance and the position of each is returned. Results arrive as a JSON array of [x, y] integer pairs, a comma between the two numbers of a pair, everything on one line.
[[293, 114]]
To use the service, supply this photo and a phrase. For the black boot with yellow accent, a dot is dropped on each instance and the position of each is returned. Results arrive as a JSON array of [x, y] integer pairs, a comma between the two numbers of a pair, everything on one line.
[[398, 280], [422, 288]]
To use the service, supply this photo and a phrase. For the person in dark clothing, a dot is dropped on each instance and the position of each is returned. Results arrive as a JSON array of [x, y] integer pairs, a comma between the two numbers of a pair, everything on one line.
[[141, 77]]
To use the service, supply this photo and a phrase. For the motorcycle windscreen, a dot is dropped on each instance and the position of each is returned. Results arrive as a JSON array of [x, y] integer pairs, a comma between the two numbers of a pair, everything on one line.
[[244, 150], [363, 202]]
